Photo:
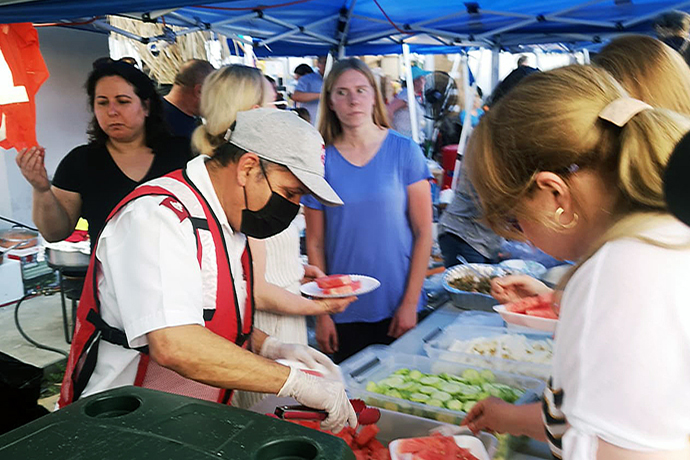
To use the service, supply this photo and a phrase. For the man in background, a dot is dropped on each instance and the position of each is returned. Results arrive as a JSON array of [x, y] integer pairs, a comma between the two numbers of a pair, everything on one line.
[[398, 110], [181, 104], [308, 90], [673, 28], [521, 71]]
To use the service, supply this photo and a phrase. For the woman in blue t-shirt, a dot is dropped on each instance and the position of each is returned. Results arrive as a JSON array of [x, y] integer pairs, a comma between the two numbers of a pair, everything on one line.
[[384, 228]]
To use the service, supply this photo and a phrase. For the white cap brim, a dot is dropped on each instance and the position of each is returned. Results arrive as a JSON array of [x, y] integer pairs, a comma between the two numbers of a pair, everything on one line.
[[318, 187]]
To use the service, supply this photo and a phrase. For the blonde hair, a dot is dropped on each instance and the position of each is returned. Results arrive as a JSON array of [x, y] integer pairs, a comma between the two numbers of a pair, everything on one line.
[[226, 92], [649, 70], [550, 122], [328, 123]]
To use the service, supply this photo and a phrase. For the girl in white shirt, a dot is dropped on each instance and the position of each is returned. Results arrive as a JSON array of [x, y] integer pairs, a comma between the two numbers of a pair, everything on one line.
[[571, 163]]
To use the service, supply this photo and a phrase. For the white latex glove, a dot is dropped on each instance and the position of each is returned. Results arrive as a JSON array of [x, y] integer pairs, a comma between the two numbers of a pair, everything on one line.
[[320, 393], [311, 358]]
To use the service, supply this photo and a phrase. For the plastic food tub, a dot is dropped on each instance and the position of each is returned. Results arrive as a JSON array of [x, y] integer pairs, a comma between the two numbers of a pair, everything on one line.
[[469, 300], [377, 362], [437, 348], [393, 425]]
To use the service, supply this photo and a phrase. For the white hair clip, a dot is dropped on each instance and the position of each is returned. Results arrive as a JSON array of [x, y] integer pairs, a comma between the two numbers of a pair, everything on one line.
[[228, 134], [621, 111]]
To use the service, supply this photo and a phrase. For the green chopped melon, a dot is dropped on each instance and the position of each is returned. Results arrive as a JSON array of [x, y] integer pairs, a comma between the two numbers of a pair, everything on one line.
[[487, 376], [472, 376], [427, 390], [441, 396], [415, 375], [419, 397], [393, 393], [434, 402], [430, 381], [454, 404], [452, 388]]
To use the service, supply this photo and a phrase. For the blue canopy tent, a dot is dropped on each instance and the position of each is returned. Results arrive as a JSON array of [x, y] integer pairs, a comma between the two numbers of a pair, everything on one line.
[[355, 27]]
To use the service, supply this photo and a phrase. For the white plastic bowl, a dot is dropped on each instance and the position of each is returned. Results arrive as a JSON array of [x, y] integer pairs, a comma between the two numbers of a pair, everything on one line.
[[531, 322]]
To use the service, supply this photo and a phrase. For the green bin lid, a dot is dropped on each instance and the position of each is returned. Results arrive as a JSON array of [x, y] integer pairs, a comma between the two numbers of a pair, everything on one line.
[[132, 423]]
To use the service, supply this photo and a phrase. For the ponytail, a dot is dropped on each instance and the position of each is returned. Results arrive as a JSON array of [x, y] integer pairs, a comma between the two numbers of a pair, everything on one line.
[[228, 90], [203, 143], [646, 143]]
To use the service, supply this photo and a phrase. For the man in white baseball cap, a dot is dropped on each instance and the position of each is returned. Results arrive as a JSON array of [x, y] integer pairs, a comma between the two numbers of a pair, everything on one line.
[[169, 304]]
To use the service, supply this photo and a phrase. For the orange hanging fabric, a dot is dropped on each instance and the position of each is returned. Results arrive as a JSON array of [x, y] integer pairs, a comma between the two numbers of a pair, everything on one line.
[[20, 55]]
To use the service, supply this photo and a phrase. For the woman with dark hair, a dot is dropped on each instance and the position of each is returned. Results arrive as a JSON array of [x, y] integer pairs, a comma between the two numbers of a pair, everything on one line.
[[129, 143]]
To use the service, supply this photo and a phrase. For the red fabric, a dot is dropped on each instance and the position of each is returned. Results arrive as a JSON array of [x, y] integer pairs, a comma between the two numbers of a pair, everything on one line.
[[449, 155], [78, 236], [19, 45], [225, 321]]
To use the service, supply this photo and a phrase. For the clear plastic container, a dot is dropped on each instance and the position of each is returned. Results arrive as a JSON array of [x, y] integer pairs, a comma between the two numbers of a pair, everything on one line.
[[393, 425], [438, 347], [378, 362]]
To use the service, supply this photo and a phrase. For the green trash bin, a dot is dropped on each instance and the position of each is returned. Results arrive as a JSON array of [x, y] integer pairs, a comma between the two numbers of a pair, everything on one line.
[[131, 423]]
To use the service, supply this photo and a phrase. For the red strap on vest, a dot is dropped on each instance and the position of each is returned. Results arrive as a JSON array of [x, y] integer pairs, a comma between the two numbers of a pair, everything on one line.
[[225, 321]]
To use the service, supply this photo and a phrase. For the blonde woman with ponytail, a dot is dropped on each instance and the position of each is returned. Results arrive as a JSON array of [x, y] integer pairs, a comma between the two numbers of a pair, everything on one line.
[[579, 174]]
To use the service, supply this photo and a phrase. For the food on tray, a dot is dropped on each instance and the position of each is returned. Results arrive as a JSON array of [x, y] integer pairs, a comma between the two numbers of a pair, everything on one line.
[[362, 441], [472, 283], [432, 448], [515, 347], [333, 281], [456, 393], [341, 290], [539, 306]]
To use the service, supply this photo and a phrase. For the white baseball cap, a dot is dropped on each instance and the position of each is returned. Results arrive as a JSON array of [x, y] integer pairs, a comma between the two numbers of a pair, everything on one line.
[[280, 136]]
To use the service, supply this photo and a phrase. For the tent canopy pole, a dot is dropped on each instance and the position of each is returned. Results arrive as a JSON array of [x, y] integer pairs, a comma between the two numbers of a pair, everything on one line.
[[411, 98]]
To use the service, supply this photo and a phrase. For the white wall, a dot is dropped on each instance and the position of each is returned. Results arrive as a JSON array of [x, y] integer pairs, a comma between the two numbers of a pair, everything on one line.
[[61, 111]]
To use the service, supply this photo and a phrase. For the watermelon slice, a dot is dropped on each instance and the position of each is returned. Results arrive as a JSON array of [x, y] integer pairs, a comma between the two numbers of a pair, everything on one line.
[[342, 290], [540, 305], [333, 281], [542, 312]]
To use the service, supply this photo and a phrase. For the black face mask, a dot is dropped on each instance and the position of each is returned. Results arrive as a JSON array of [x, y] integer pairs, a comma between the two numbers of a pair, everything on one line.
[[270, 220]]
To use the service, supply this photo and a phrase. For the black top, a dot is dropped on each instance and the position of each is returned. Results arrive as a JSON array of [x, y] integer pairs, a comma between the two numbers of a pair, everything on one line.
[[179, 122], [91, 171], [510, 81], [676, 184]]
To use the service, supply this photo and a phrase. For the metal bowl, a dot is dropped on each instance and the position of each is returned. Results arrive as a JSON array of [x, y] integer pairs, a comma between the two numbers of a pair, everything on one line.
[[468, 300], [13, 236], [528, 267], [67, 259]]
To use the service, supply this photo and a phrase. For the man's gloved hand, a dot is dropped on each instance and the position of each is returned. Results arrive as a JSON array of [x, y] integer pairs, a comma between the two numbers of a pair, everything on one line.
[[320, 393], [311, 358]]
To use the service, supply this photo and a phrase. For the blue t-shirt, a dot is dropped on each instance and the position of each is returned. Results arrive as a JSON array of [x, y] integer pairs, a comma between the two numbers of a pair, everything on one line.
[[371, 234], [310, 83]]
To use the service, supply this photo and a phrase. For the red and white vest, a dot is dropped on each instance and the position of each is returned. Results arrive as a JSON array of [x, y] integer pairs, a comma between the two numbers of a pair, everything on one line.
[[221, 309]]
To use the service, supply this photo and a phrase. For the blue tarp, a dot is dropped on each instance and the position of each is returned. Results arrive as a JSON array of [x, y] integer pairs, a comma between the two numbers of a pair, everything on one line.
[[310, 27]]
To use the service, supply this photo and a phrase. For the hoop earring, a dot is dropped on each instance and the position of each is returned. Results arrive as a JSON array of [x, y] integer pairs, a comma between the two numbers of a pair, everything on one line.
[[557, 218]]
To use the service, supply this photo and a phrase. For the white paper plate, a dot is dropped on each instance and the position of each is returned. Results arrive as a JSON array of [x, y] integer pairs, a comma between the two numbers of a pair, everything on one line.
[[474, 445], [369, 284], [532, 322]]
